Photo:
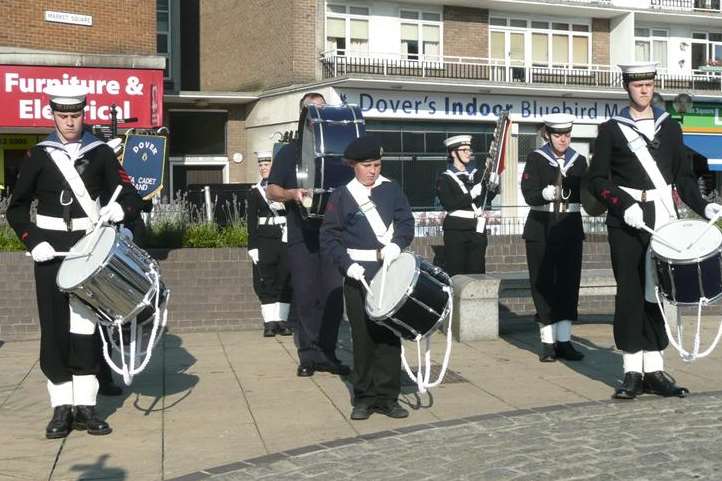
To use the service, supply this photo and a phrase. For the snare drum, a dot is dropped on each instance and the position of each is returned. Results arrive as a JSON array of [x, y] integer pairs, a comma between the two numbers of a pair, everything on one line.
[[416, 297], [325, 131], [687, 276], [117, 279]]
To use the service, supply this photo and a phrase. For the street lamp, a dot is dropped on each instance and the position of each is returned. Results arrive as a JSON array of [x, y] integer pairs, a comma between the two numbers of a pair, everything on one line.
[[682, 103]]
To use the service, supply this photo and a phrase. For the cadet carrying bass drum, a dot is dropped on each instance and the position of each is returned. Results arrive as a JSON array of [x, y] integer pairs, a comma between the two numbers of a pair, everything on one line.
[[324, 132]]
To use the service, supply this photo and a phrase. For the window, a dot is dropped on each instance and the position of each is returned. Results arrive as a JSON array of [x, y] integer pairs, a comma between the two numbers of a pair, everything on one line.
[[347, 29], [544, 44], [163, 37], [420, 39], [198, 132], [706, 50], [650, 45]]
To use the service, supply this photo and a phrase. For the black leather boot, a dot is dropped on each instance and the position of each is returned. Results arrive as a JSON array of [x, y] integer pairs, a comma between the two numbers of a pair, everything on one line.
[[59, 426], [269, 329], [547, 352], [631, 387], [662, 384], [86, 419], [565, 350], [283, 329]]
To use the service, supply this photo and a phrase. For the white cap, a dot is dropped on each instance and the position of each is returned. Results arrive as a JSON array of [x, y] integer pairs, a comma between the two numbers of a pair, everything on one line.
[[639, 70], [457, 141], [66, 98], [264, 156], [558, 123]]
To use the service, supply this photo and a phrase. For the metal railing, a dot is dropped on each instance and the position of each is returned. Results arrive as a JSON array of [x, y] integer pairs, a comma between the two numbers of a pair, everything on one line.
[[339, 63], [702, 6]]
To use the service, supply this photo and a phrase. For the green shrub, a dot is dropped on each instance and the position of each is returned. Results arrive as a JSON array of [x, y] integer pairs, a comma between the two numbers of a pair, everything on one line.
[[202, 235], [235, 235], [8, 240]]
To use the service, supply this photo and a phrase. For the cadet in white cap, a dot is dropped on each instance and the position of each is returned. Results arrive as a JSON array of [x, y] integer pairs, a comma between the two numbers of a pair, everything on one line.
[[268, 250], [554, 235], [66, 209], [464, 193], [638, 160]]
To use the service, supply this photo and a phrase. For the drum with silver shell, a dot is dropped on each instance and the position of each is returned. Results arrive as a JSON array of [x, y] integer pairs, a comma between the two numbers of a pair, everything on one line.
[[416, 297]]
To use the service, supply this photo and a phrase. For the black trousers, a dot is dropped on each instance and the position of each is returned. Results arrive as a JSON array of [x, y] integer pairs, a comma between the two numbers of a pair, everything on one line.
[[271, 277], [376, 353], [318, 301], [465, 252], [554, 275], [62, 354], [638, 325]]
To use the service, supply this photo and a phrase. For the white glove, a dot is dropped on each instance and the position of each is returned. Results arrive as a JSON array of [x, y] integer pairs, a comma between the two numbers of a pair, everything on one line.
[[634, 217], [475, 191], [253, 254], [712, 210], [390, 252], [355, 271], [549, 192], [43, 252], [113, 211]]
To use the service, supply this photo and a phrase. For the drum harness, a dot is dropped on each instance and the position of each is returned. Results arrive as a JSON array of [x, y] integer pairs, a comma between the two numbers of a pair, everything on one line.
[[383, 234], [661, 195], [72, 178]]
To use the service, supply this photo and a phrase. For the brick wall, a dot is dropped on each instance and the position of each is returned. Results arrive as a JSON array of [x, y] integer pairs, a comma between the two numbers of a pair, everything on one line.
[[600, 41], [236, 142], [120, 27], [211, 288], [257, 44], [466, 32]]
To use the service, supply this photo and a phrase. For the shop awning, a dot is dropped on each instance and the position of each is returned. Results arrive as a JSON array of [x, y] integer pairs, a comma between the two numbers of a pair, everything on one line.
[[709, 146]]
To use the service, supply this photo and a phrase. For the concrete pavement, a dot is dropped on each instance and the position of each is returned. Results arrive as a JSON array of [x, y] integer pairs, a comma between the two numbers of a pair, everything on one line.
[[209, 400]]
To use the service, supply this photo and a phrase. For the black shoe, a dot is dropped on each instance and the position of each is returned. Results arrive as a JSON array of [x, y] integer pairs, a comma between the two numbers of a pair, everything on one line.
[[332, 367], [547, 352], [662, 384], [109, 389], [305, 370], [61, 423], [565, 350], [392, 410], [86, 419], [631, 387], [360, 413], [269, 329], [283, 329]]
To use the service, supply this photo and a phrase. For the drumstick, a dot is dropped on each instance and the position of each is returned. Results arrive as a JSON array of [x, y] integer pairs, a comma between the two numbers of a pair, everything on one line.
[[384, 270], [711, 222], [660, 238], [63, 254], [366, 285]]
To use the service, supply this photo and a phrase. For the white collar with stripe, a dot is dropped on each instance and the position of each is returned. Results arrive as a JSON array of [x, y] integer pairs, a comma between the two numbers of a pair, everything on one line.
[[625, 118], [570, 156]]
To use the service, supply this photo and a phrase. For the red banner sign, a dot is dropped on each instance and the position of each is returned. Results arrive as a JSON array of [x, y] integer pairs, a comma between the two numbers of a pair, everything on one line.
[[137, 94]]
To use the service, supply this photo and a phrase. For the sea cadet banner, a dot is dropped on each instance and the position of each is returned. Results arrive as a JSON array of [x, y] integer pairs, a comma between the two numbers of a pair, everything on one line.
[[143, 160], [462, 106], [135, 92]]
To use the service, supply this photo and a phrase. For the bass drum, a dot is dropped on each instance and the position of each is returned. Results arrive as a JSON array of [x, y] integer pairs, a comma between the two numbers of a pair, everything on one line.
[[325, 132]]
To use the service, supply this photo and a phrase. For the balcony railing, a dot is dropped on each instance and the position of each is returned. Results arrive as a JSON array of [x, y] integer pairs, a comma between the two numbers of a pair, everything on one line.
[[338, 64], [702, 6]]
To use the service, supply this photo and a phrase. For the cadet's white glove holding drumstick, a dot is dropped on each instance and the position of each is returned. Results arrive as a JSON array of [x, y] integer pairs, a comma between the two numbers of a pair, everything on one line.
[[634, 217], [43, 252], [712, 210], [390, 252], [356, 271], [113, 212]]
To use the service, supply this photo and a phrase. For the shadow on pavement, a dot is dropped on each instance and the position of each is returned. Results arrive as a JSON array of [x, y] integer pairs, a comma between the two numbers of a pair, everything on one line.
[[99, 470], [164, 376], [600, 363]]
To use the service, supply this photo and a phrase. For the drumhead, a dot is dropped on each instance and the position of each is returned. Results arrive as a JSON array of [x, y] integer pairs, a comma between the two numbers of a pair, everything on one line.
[[401, 276], [681, 233], [75, 270]]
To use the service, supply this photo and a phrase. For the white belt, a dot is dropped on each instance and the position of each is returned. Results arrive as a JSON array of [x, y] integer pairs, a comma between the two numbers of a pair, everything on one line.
[[363, 255], [279, 220], [57, 223], [645, 195], [563, 207], [466, 214]]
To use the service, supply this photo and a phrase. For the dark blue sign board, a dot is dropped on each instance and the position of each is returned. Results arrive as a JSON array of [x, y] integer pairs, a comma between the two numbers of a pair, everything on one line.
[[144, 160]]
